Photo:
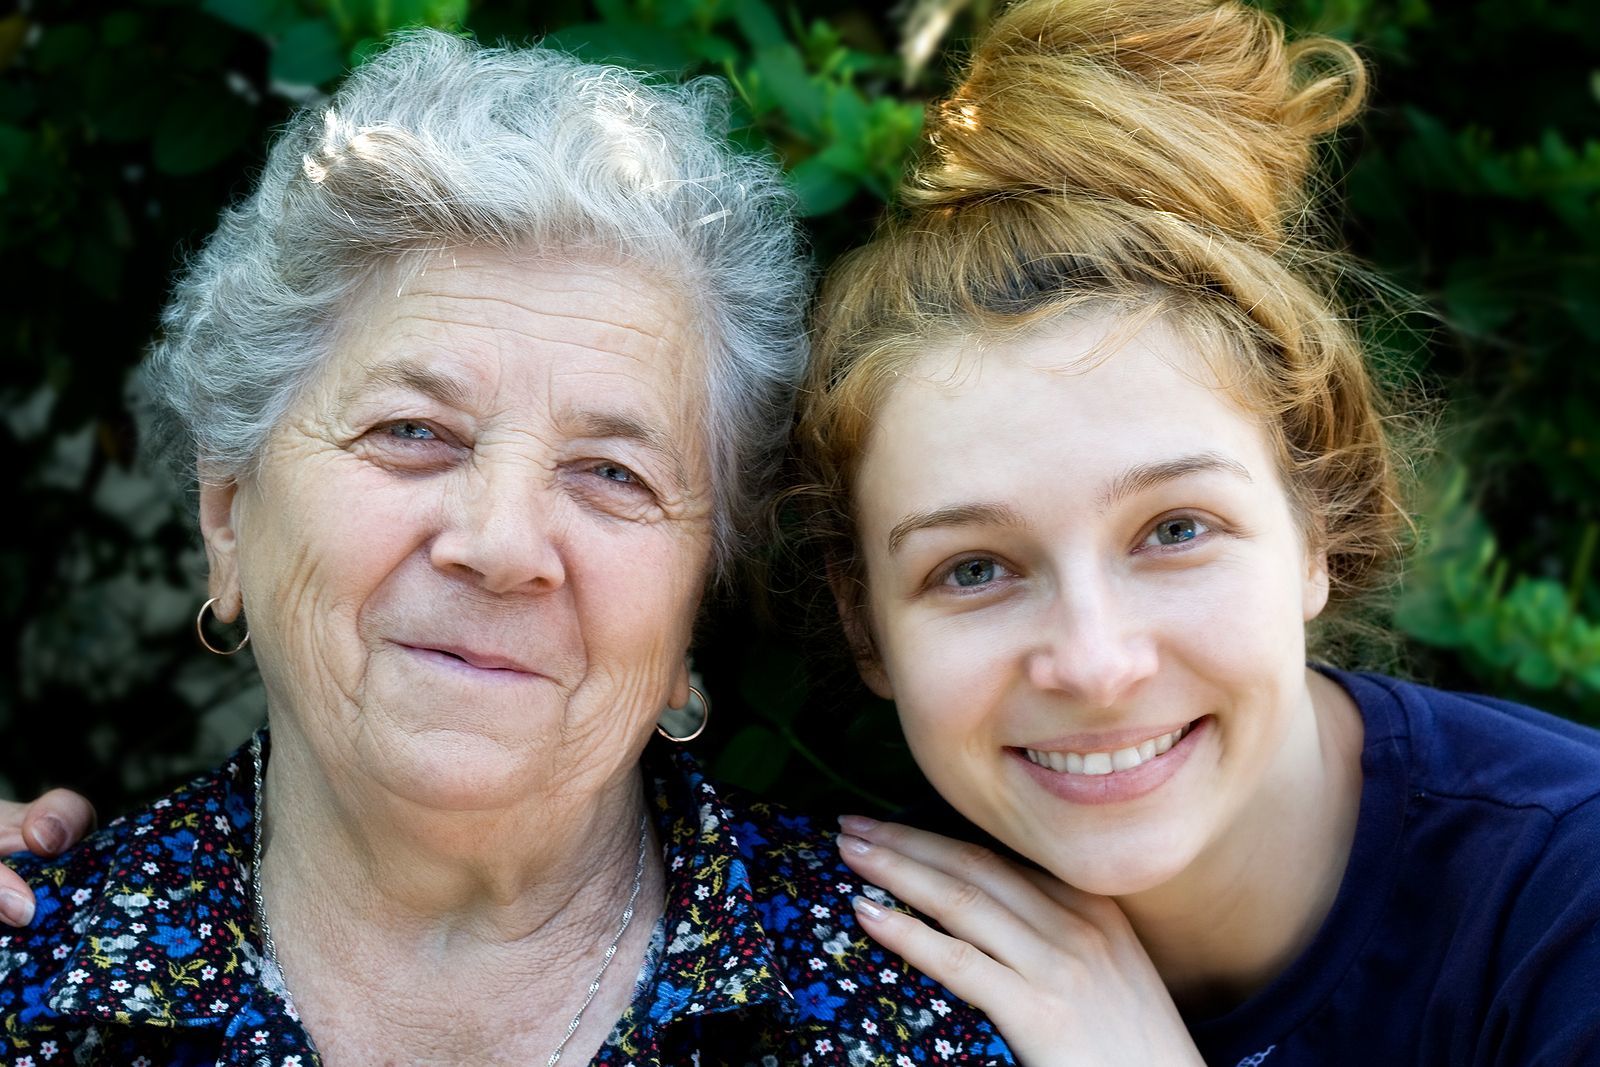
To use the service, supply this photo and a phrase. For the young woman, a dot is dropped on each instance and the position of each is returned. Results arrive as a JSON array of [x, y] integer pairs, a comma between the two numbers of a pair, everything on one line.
[[1098, 458]]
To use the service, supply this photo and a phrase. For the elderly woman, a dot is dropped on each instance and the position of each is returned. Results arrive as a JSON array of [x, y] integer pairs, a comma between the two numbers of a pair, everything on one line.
[[480, 385]]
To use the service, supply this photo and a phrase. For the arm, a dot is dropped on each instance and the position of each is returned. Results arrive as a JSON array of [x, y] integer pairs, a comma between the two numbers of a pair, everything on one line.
[[1058, 971], [47, 827]]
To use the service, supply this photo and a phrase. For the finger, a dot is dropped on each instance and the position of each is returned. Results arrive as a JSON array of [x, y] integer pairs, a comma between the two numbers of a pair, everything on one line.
[[999, 877], [963, 906], [962, 968], [16, 899], [11, 815], [56, 821]]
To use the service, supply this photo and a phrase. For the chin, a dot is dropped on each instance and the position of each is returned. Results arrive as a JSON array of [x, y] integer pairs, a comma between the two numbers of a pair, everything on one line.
[[456, 770], [1113, 862]]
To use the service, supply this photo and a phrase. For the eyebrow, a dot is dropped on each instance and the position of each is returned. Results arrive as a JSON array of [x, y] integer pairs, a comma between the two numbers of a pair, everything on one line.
[[1136, 479], [408, 374], [1146, 476], [980, 514]]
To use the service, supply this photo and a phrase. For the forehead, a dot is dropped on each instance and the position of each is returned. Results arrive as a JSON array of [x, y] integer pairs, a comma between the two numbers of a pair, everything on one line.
[[518, 334], [1088, 395]]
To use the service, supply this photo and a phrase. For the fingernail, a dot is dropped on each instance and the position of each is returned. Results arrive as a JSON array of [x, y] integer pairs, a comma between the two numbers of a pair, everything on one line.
[[856, 824], [867, 909], [854, 844], [15, 908], [51, 833]]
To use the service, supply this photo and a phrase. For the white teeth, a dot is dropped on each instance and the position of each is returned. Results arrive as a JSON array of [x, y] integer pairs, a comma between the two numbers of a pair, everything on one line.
[[1098, 763]]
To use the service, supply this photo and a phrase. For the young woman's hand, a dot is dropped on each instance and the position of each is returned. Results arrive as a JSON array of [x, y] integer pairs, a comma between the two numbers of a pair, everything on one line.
[[1059, 971], [47, 826]]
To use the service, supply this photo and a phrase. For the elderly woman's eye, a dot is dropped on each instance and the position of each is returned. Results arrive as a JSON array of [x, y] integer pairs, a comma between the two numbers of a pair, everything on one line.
[[412, 431], [1176, 531], [616, 472]]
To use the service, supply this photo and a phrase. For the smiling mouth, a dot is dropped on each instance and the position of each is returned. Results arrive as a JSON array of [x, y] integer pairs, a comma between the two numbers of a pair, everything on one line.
[[470, 659], [1095, 764]]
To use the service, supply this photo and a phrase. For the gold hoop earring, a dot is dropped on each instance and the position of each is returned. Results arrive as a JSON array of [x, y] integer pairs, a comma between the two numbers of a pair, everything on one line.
[[698, 700], [200, 632]]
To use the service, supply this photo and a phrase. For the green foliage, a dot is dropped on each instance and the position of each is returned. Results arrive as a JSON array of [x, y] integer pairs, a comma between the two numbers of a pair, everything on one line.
[[1524, 637], [820, 103], [1474, 182]]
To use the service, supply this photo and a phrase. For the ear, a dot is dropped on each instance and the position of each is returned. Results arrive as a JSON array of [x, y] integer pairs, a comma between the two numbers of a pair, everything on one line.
[[1314, 594], [219, 530], [849, 598], [679, 696]]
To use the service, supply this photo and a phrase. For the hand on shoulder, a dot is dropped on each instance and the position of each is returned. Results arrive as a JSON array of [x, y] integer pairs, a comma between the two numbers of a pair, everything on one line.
[[47, 826]]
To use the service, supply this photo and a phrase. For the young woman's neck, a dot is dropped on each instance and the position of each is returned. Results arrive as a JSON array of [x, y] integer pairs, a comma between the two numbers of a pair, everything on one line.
[[1242, 912]]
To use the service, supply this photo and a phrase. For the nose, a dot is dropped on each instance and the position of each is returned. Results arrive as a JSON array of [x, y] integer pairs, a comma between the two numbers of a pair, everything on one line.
[[1092, 648], [503, 532]]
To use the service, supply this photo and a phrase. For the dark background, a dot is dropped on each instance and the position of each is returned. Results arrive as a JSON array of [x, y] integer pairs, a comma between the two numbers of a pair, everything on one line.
[[1474, 182]]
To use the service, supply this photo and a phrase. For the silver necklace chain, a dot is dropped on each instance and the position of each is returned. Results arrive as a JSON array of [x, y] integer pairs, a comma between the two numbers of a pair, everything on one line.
[[594, 984]]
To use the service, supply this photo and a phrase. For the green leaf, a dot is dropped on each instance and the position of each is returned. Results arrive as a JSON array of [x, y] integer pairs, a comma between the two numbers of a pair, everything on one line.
[[628, 44], [820, 187], [753, 759], [758, 24], [1536, 669], [783, 77], [199, 130], [308, 53], [265, 18]]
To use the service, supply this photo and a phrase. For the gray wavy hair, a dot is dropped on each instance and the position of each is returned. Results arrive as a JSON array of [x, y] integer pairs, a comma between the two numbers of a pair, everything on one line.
[[438, 142]]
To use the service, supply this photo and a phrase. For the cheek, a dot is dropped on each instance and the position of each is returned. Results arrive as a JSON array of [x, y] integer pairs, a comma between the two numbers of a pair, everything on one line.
[[948, 677], [320, 539]]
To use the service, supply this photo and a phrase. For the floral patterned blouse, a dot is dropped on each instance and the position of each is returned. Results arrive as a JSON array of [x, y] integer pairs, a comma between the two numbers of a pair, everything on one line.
[[143, 950]]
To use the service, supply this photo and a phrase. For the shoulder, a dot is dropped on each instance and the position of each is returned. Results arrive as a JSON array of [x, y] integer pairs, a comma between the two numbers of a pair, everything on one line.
[[91, 898], [1481, 748], [874, 1006], [64, 889]]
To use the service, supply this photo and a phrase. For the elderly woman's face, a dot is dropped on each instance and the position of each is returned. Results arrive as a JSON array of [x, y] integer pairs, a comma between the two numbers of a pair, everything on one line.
[[474, 551]]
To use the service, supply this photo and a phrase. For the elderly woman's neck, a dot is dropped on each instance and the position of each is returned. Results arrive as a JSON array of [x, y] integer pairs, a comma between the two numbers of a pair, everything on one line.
[[497, 918], [348, 855]]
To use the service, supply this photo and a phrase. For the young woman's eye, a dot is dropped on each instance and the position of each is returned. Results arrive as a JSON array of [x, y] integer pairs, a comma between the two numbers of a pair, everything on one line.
[[1177, 530], [973, 573]]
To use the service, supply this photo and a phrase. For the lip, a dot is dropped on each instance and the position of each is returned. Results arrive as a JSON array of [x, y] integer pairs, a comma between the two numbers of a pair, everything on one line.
[[1118, 786], [1105, 741], [459, 658]]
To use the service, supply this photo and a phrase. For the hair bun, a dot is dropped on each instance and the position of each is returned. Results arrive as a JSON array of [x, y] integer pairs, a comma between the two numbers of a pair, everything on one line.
[[1193, 107]]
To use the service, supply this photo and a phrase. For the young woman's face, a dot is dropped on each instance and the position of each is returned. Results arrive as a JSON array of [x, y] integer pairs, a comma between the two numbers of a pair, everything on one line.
[[1087, 596]]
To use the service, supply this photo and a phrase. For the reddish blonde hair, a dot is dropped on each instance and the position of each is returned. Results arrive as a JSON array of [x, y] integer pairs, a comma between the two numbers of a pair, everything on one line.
[[1150, 157]]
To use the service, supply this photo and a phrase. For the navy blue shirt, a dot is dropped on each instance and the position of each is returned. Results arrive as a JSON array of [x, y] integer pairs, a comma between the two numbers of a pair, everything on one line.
[[1466, 931]]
